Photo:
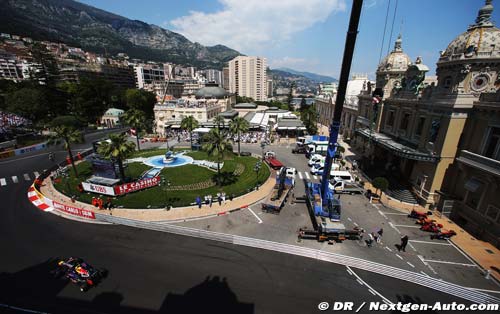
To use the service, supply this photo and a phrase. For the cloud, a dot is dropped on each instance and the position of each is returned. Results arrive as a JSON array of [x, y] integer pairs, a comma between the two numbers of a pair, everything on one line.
[[246, 24]]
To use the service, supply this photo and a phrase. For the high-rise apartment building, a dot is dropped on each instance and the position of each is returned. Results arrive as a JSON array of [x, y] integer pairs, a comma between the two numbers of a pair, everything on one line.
[[247, 77]]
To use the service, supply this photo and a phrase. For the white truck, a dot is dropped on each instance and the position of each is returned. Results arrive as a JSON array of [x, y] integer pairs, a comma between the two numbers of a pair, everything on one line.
[[340, 186]]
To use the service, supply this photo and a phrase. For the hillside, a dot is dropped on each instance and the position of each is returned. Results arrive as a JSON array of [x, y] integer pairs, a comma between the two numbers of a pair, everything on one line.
[[96, 30], [312, 76]]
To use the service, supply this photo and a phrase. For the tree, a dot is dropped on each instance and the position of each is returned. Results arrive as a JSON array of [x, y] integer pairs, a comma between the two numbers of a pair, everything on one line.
[[290, 96], [237, 126], [141, 99], [219, 120], [243, 99], [189, 123], [303, 104], [136, 119], [380, 183], [119, 149], [217, 146], [309, 117], [69, 135], [27, 102]]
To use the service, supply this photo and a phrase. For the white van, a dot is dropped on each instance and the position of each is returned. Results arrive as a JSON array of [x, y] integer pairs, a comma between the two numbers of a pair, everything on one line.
[[314, 159], [341, 176]]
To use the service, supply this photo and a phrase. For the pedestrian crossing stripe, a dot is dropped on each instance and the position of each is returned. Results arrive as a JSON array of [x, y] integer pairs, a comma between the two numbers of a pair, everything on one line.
[[307, 176], [315, 177], [27, 177], [14, 179], [36, 174], [300, 176], [3, 181]]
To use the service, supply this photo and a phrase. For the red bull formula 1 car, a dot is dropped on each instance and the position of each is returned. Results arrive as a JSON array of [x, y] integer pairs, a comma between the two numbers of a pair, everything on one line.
[[79, 272]]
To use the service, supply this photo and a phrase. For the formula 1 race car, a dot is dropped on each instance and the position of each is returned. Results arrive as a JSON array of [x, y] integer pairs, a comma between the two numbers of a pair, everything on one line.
[[419, 215], [443, 234], [424, 221], [431, 227], [79, 272]]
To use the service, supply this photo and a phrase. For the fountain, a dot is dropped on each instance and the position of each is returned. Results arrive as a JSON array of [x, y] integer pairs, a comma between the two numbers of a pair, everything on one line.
[[170, 159]]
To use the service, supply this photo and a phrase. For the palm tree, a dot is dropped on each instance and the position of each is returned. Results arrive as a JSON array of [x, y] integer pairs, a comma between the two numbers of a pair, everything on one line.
[[189, 123], [237, 126], [219, 120], [136, 119], [217, 146], [119, 148], [69, 135]]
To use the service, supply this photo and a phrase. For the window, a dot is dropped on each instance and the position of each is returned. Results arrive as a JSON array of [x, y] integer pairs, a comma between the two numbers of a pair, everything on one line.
[[420, 126], [405, 121], [474, 192], [492, 147], [492, 213], [390, 118]]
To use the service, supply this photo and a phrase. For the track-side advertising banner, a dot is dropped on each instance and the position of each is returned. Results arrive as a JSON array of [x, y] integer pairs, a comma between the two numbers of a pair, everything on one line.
[[100, 189], [136, 186], [74, 210]]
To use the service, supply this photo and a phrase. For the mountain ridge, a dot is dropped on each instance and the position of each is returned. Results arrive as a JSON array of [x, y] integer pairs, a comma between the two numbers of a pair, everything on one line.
[[313, 76], [96, 30]]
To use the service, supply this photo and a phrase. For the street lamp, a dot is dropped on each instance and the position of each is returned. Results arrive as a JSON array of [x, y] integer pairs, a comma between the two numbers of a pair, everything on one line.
[[256, 168], [166, 185]]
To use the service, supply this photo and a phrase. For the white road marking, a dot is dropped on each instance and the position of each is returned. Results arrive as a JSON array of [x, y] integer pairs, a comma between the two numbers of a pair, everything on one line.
[[465, 255], [349, 218], [451, 263], [427, 264], [394, 227], [410, 264], [359, 281], [484, 290], [429, 242], [349, 271], [27, 177], [388, 248], [307, 176], [423, 273], [384, 299], [399, 214], [258, 218], [399, 256], [407, 226], [14, 179], [3, 181], [355, 224], [383, 215], [300, 175], [412, 247], [36, 174], [371, 291]]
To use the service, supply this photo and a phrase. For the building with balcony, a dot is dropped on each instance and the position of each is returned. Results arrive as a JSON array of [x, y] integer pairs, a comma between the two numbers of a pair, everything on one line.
[[412, 136], [248, 78], [469, 195]]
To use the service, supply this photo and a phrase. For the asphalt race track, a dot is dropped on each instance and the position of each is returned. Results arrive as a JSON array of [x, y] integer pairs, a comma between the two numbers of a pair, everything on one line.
[[153, 272]]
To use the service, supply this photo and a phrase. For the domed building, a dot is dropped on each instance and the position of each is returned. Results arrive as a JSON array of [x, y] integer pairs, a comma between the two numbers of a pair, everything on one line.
[[392, 68], [211, 91], [414, 134]]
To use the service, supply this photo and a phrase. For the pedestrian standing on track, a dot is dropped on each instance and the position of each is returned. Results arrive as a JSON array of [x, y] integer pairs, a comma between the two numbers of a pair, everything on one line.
[[210, 200], [370, 239], [380, 232], [404, 242], [219, 199], [224, 197], [198, 201], [206, 200], [231, 197]]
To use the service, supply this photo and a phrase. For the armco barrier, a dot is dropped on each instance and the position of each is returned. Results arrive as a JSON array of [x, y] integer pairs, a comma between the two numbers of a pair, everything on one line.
[[353, 262]]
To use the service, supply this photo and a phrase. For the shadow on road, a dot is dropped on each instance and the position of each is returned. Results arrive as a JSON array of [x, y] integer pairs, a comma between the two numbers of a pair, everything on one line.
[[35, 290]]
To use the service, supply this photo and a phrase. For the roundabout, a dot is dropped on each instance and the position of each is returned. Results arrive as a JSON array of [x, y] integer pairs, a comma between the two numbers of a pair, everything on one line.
[[168, 160]]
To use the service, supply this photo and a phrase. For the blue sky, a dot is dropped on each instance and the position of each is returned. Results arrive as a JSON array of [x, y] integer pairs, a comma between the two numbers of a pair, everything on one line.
[[309, 35]]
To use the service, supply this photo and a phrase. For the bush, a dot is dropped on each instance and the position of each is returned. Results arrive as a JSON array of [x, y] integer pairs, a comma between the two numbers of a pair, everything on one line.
[[380, 183]]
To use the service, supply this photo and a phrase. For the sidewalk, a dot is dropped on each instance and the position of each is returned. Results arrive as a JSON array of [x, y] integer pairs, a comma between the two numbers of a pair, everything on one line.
[[172, 215]]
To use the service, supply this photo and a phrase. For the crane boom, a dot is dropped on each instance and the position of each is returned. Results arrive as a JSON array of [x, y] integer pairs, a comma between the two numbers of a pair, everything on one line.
[[339, 102]]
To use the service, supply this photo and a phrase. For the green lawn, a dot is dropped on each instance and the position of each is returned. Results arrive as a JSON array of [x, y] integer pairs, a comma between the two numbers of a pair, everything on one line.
[[157, 197]]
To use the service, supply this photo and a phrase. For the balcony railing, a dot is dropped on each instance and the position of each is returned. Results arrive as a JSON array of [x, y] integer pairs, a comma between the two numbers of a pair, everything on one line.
[[480, 162]]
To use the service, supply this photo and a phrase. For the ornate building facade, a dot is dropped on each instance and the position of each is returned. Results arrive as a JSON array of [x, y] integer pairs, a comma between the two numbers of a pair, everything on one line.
[[418, 125]]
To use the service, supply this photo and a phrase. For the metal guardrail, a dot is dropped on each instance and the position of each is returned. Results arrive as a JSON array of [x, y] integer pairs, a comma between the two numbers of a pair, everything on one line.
[[354, 262]]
